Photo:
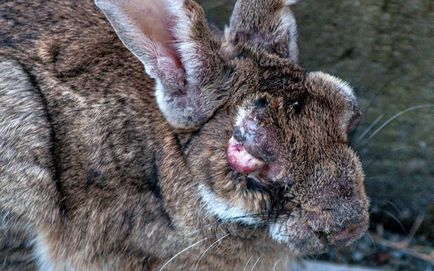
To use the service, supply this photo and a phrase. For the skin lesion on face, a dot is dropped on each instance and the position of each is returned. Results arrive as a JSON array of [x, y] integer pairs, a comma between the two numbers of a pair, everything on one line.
[[291, 164], [240, 160]]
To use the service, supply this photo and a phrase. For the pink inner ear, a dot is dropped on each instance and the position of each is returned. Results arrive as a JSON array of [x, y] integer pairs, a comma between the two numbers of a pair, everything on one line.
[[156, 22]]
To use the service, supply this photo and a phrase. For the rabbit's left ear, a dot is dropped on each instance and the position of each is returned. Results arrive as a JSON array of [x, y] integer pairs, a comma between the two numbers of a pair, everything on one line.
[[172, 39], [269, 24]]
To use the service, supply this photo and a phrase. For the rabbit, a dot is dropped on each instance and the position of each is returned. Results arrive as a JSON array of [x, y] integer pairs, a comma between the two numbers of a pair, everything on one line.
[[133, 137]]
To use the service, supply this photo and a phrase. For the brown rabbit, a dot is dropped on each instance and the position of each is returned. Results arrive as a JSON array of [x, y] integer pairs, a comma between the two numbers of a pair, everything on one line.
[[223, 155]]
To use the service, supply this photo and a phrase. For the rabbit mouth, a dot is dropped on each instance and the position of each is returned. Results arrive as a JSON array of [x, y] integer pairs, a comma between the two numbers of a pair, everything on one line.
[[240, 160], [301, 240]]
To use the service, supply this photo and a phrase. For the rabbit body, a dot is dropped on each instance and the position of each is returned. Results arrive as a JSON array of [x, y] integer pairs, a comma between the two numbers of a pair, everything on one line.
[[93, 147], [102, 172]]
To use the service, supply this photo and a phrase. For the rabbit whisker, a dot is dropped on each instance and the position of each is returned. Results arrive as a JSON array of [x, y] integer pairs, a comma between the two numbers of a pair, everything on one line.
[[238, 217], [276, 263], [371, 103], [369, 128], [261, 221], [394, 218], [206, 250], [182, 251], [397, 115], [247, 263], [257, 261], [394, 206]]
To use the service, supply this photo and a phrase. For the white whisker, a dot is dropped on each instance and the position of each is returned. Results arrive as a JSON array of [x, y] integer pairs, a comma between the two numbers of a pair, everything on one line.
[[247, 263], [254, 265], [182, 251], [367, 130], [206, 250], [276, 263], [398, 115]]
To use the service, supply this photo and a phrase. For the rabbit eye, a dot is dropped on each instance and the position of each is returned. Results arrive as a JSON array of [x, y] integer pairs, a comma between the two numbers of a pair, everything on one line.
[[296, 106], [261, 102]]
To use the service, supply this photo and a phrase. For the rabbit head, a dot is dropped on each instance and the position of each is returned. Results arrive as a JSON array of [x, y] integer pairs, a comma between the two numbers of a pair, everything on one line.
[[270, 146]]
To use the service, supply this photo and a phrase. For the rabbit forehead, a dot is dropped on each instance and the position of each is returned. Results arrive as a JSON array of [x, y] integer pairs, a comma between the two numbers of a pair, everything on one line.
[[261, 71], [284, 83], [328, 81]]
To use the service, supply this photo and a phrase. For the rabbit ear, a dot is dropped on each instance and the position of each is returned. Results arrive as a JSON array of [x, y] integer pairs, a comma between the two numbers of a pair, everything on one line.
[[172, 39], [268, 24]]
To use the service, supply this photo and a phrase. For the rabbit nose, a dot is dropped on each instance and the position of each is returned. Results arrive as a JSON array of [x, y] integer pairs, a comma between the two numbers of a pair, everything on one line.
[[347, 235]]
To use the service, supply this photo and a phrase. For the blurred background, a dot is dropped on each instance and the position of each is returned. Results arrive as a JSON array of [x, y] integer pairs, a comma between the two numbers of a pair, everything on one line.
[[385, 49]]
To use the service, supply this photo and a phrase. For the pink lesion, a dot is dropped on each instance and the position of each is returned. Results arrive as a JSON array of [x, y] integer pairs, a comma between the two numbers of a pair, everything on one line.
[[240, 160]]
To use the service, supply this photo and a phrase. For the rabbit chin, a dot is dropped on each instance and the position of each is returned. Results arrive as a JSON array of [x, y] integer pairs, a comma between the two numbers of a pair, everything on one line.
[[299, 238], [290, 232], [224, 210]]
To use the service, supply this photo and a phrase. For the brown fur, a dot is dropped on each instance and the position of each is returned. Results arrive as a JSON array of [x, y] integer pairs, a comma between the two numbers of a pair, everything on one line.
[[105, 180]]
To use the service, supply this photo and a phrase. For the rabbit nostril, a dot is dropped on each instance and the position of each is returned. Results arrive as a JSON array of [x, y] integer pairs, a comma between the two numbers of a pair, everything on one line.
[[349, 234]]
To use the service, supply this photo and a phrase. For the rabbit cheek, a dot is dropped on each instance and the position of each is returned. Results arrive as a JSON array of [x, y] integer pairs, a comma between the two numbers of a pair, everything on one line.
[[240, 160]]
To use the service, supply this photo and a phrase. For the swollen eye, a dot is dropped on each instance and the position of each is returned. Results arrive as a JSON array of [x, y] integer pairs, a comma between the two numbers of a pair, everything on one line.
[[240, 160]]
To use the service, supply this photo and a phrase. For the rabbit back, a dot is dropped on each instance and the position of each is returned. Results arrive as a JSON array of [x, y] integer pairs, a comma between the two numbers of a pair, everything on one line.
[[80, 131]]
